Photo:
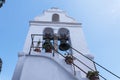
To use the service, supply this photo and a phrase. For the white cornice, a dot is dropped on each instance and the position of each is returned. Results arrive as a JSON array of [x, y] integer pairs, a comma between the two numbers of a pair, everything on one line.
[[59, 24]]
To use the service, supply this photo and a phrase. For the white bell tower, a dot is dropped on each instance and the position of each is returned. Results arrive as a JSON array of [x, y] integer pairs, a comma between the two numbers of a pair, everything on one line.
[[53, 49]]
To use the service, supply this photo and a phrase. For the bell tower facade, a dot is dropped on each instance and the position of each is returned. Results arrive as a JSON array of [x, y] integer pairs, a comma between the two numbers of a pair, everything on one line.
[[55, 35], [55, 21]]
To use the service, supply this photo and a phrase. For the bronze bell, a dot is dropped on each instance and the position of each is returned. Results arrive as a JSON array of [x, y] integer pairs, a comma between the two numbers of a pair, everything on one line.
[[47, 45], [64, 45]]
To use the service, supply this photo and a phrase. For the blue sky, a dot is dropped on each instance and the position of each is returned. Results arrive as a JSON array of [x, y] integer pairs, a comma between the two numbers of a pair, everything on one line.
[[99, 18]]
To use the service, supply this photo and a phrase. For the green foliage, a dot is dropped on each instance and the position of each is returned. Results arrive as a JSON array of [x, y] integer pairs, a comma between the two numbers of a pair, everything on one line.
[[0, 64], [1, 3], [39, 42], [69, 59], [91, 74]]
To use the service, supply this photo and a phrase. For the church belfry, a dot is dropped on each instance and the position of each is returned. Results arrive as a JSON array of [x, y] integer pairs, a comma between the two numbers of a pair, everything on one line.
[[51, 49]]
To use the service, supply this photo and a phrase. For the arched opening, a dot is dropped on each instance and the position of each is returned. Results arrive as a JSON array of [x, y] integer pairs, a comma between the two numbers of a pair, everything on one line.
[[63, 32], [55, 18], [64, 39], [48, 35]]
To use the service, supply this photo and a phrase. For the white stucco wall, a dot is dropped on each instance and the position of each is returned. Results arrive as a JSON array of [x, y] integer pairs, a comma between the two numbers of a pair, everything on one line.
[[44, 68]]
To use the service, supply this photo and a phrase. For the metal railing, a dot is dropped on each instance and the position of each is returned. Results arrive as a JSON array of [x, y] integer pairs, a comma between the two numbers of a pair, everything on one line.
[[96, 64], [32, 46]]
